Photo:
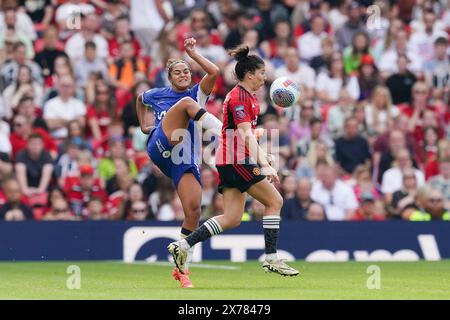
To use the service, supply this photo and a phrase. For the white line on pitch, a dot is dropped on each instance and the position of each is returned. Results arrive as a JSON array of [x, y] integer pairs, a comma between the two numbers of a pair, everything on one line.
[[195, 265]]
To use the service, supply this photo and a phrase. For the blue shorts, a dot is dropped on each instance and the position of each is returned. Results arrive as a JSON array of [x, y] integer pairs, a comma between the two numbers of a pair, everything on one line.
[[160, 151]]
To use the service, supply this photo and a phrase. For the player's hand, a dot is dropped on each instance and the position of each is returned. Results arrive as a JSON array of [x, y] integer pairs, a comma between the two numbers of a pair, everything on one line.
[[270, 159], [271, 174], [189, 46]]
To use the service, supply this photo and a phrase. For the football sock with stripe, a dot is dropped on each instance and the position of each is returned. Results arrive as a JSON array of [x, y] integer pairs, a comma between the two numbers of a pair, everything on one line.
[[271, 225], [207, 121], [184, 233], [210, 228]]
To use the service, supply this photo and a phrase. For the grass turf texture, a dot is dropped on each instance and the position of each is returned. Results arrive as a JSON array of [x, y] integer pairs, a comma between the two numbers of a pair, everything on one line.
[[114, 280]]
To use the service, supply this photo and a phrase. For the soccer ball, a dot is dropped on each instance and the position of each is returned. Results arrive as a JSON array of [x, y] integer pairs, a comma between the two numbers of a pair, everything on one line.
[[284, 92]]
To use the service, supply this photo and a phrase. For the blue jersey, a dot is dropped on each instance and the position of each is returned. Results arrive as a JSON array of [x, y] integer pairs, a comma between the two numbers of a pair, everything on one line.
[[159, 148]]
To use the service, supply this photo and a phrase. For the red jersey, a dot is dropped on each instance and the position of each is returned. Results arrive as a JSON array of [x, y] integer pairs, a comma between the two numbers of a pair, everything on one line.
[[240, 106]]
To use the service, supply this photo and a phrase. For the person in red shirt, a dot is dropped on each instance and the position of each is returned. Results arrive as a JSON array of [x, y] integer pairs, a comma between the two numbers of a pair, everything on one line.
[[368, 211], [22, 130], [100, 115], [243, 167], [79, 190]]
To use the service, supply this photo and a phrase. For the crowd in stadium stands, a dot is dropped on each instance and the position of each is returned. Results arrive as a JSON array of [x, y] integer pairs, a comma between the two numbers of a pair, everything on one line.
[[368, 140]]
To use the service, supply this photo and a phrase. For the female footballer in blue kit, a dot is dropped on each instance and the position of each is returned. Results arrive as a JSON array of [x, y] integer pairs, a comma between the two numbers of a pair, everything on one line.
[[162, 112]]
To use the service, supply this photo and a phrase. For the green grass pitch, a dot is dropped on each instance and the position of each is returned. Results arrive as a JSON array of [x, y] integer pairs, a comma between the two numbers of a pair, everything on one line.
[[221, 280]]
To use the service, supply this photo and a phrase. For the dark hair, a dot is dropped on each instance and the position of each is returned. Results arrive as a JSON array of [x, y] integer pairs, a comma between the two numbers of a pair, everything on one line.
[[172, 63], [245, 62], [314, 120], [35, 135], [90, 44], [17, 45]]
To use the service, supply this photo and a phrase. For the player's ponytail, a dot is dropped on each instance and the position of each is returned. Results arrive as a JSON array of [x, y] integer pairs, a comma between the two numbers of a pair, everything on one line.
[[245, 62]]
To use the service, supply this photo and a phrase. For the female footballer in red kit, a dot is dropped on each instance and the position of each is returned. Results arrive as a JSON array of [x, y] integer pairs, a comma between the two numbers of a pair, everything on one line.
[[243, 168]]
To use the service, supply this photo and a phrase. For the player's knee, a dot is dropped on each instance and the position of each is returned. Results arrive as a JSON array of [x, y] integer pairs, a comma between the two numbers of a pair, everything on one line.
[[193, 211], [276, 203], [187, 102]]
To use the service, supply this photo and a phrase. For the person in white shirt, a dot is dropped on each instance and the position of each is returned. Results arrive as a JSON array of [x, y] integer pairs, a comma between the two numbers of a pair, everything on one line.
[[335, 196], [310, 43], [392, 179], [59, 111], [68, 13], [387, 63], [24, 24], [329, 85], [301, 73], [380, 112], [148, 17], [75, 46], [421, 42]]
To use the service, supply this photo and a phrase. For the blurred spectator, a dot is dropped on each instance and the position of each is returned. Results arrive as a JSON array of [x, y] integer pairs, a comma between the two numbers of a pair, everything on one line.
[[351, 149], [317, 133], [125, 71], [23, 130], [6, 166], [400, 83], [437, 71], [135, 193], [129, 116], [68, 14], [205, 47], [26, 108], [11, 31], [431, 206], [122, 179], [297, 207], [5, 143], [14, 209], [138, 211], [51, 49], [288, 185], [164, 194], [209, 185], [59, 211], [310, 43], [368, 210], [321, 62], [246, 20], [329, 84], [64, 108], [334, 195], [301, 73], [80, 189], [316, 213], [338, 113], [405, 198], [23, 86], [364, 184], [107, 168], [393, 178], [318, 153], [89, 64], [353, 25], [34, 166], [67, 164], [10, 69], [147, 19], [275, 48], [390, 63], [442, 181], [121, 33], [421, 42], [75, 46], [215, 208], [352, 54], [269, 12], [380, 112], [40, 12], [22, 22], [112, 24], [100, 115], [96, 209], [368, 77]]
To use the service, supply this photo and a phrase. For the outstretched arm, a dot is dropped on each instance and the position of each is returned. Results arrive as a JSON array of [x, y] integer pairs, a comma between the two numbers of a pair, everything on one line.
[[212, 71], [145, 116]]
